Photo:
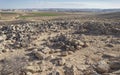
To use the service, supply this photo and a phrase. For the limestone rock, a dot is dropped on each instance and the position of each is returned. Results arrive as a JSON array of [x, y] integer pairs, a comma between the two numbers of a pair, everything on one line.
[[86, 44], [64, 53], [60, 61], [71, 71], [32, 69], [81, 43], [39, 55], [115, 65], [116, 72], [46, 50], [102, 67], [28, 73], [57, 72]]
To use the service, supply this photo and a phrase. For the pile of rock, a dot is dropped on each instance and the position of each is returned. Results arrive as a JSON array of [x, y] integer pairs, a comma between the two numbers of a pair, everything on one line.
[[98, 28], [107, 67], [67, 42], [20, 35]]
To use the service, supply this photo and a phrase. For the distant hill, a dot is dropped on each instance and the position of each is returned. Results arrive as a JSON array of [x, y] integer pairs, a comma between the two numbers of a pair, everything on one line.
[[64, 10], [110, 15]]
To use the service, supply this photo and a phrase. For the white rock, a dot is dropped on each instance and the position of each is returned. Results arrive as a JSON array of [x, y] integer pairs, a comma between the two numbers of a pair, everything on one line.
[[29, 73], [81, 43]]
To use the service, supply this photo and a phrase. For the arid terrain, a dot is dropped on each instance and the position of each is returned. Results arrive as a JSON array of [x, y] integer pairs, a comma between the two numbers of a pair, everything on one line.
[[60, 43]]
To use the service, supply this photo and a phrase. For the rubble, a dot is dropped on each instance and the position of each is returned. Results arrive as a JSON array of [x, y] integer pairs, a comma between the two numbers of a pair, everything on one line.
[[67, 43], [61, 47]]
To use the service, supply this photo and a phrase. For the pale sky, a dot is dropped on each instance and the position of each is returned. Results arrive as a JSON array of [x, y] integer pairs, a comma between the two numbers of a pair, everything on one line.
[[103, 4]]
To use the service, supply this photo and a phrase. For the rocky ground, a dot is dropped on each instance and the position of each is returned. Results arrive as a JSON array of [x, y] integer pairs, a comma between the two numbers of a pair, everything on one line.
[[60, 47]]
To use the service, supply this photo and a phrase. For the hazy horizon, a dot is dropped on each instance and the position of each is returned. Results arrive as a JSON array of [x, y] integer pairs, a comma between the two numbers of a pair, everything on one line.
[[76, 4]]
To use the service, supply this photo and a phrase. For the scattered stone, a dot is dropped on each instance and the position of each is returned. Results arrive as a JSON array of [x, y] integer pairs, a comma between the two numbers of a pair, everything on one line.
[[51, 51], [49, 58], [81, 43], [25, 35], [109, 55], [82, 67], [102, 67], [110, 45], [115, 65], [86, 44], [46, 50], [32, 69], [60, 61], [28, 73], [56, 72], [71, 71], [70, 52], [116, 72], [39, 55], [5, 50], [2, 37], [56, 50], [78, 47], [64, 53]]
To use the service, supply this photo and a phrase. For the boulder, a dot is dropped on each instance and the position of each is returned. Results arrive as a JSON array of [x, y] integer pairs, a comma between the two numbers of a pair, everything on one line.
[[102, 67], [115, 65], [116, 72]]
